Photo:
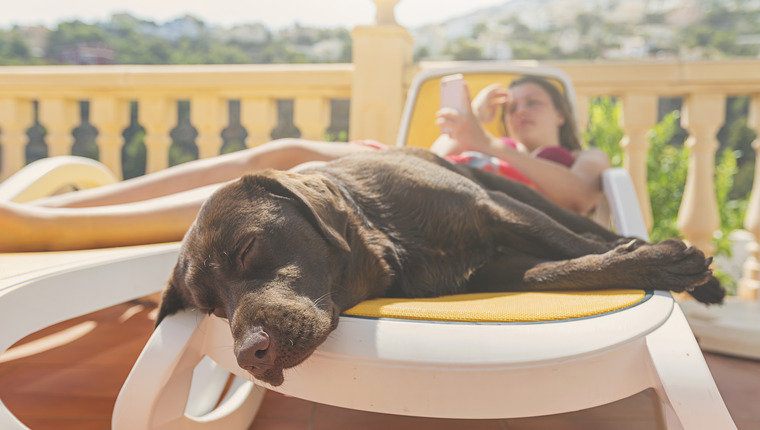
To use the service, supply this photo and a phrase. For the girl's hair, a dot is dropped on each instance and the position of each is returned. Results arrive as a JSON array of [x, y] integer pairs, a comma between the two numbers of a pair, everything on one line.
[[569, 136]]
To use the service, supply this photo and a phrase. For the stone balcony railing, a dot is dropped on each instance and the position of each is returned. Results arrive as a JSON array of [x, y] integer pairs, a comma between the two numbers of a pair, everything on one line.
[[376, 84]]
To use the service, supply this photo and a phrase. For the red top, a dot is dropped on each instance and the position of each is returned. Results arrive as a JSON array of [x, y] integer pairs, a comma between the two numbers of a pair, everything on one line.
[[556, 154]]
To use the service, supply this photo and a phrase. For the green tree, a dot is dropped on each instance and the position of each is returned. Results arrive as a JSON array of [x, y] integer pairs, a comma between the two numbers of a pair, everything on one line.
[[667, 165], [466, 50], [14, 50], [604, 131], [69, 34]]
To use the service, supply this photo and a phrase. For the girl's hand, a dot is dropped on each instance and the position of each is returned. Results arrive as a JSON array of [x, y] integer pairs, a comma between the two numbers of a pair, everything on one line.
[[486, 104], [465, 131]]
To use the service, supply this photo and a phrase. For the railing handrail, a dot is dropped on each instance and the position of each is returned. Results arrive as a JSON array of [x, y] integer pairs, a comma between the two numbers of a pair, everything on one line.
[[281, 80], [664, 77]]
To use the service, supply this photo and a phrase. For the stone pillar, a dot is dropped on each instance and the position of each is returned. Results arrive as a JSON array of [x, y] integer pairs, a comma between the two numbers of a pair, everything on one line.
[[158, 115], [209, 115], [16, 116], [382, 57], [110, 116], [312, 116], [698, 218], [582, 103], [59, 117], [259, 117], [749, 284], [638, 116]]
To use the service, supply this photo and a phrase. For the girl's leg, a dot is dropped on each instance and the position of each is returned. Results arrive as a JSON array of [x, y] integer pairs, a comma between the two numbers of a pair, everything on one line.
[[28, 227], [280, 154], [164, 219]]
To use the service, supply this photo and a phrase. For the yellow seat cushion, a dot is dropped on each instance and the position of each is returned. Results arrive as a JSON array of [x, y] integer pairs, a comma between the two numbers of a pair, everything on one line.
[[502, 307]]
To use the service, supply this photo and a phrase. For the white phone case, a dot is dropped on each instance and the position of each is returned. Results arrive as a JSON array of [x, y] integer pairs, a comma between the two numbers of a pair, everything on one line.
[[453, 92]]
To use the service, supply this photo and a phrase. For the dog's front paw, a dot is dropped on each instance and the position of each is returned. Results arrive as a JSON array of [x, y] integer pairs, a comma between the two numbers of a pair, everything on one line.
[[668, 265], [711, 292]]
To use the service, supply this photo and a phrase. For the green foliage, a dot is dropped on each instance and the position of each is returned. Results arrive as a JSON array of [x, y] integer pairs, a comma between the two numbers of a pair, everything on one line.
[[132, 43], [604, 131], [737, 137], [70, 34], [340, 136], [464, 49], [731, 210], [14, 50], [717, 34], [667, 165], [183, 148], [134, 155]]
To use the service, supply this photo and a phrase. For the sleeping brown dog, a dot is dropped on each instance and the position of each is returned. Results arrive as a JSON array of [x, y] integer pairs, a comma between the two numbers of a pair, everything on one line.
[[281, 255]]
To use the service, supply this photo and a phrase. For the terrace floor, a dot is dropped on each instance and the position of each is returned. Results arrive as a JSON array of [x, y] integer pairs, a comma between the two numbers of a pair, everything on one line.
[[68, 376]]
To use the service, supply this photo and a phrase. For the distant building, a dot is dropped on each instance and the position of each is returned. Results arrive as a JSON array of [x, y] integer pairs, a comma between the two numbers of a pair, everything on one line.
[[87, 54], [496, 44], [36, 38], [630, 47], [176, 29], [256, 33], [328, 50]]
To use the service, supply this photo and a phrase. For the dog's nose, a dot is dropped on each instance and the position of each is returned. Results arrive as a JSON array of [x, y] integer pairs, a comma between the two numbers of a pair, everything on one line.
[[255, 352]]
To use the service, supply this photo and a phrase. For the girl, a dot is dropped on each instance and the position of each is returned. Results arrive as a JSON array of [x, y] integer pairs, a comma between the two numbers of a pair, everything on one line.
[[544, 143]]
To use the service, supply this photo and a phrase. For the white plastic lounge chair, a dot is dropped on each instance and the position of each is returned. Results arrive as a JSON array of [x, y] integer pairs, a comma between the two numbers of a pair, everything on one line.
[[497, 370], [394, 366]]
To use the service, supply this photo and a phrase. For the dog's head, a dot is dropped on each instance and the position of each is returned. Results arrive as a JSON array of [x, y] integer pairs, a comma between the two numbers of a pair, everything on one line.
[[264, 253]]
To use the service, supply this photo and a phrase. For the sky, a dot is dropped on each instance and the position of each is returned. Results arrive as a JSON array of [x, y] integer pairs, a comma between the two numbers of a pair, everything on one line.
[[273, 13]]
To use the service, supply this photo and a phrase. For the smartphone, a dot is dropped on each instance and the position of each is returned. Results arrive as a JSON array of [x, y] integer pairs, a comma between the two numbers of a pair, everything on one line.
[[453, 93]]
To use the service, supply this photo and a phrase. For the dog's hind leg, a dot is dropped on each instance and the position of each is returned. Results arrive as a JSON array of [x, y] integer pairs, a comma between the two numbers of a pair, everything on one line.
[[577, 223], [668, 265], [517, 225]]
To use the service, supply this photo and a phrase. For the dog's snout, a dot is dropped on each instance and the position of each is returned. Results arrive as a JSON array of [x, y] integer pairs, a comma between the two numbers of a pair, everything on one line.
[[255, 353]]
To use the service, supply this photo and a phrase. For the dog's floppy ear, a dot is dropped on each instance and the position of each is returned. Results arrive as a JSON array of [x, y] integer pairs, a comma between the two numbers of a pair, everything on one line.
[[171, 302], [322, 200]]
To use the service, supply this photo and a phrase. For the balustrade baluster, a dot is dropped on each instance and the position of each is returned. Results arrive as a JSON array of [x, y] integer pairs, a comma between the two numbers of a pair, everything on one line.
[[638, 116], [209, 115], [698, 218], [59, 117], [16, 116], [382, 58], [312, 116], [749, 284], [158, 116], [110, 116], [582, 102], [259, 117]]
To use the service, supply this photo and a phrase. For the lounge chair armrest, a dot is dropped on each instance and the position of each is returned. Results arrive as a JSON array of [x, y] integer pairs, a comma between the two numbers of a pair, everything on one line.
[[44, 177], [623, 203]]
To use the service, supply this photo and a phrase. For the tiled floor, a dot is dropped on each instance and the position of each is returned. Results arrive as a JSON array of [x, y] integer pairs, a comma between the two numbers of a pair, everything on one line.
[[68, 376]]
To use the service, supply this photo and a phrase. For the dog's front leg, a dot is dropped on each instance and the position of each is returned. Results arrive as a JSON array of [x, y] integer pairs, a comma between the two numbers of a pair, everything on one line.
[[668, 265]]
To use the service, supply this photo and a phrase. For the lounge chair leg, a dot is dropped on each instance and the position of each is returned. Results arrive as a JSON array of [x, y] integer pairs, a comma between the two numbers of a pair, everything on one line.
[[690, 398], [172, 386]]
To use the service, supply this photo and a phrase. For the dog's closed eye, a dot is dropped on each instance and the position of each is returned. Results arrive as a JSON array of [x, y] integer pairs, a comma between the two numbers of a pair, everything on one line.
[[248, 253]]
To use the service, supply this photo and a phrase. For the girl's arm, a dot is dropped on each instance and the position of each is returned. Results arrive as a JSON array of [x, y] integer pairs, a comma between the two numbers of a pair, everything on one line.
[[577, 189]]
